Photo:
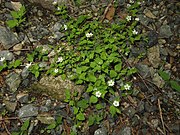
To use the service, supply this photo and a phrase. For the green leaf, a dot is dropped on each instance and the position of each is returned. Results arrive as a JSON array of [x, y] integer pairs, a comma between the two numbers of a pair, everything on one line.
[[82, 76], [12, 23], [93, 99], [93, 64], [90, 88], [25, 125], [30, 57], [14, 14], [51, 126], [80, 19], [80, 116], [37, 74], [112, 110], [118, 67], [75, 109], [175, 85], [67, 95], [99, 106], [165, 76], [91, 120], [17, 63], [22, 11], [82, 103], [113, 73], [91, 77], [99, 61]]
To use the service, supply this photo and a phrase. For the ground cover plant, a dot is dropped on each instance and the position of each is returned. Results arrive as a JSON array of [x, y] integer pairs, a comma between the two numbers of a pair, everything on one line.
[[92, 53]]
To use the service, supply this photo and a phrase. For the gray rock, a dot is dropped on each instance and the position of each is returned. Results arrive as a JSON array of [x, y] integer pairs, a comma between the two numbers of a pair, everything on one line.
[[153, 38], [13, 81], [141, 106], [10, 106], [7, 38], [130, 111], [165, 31], [22, 97], [143, 19], [48, 4], [45, 119], [158, 81], [144, 70], [28, 111], [55, 87], [25, 72], [100, 131], [7, 54], [154, 56], [124, 131]]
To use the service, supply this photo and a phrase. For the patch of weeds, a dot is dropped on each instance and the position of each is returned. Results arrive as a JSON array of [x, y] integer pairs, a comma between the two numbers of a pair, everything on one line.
[[24, 128], [18, 17], [4, 64], [166, 77], [52, 126]]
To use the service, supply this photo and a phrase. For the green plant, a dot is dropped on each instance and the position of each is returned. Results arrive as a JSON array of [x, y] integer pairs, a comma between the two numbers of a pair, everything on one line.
[[18, 17], [24, 128], [166, 77], [9, 64]]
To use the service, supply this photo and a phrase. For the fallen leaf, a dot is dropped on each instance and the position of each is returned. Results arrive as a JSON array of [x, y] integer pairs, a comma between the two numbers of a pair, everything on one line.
[[110, 13]]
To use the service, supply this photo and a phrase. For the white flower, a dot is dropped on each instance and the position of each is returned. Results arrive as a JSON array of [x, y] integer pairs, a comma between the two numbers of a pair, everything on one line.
[[128, 18], [135, 32], [131, 1], [138, 3], [2, 59], [98, 94], [137, 19], [88, 35], [58, 8], [127, 87], [28, 65], [60, 59], [56, 70], [128, 5], [110, 83], [54, 2], [65, 27], [116, 103]]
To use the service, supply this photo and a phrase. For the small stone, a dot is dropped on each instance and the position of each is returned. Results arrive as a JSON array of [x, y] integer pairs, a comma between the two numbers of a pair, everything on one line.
[[28, 111], [158, 81], [17, 47], [124, 131], [7, 54], [45, 119], [144, 70], [11, 106], [153, 38], [149, 14], [165, 31], [7, 38], [100, 131], [13, 80], [154, 56], [155, 123], [130, 111], [22, 97]]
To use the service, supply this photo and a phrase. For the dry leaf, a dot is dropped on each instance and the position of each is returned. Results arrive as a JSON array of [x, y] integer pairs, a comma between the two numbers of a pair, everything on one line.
[[110, 13]]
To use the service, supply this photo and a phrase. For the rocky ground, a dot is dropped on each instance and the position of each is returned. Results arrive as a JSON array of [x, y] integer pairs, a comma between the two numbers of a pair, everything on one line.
[[152, 108]]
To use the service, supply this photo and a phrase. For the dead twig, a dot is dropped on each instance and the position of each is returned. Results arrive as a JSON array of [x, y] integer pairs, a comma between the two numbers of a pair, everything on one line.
[[162, 121], [7, 131]]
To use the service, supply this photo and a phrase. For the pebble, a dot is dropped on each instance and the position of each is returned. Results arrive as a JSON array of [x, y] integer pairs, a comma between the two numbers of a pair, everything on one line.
[[165, 31], [100, 131], [7, 38], [10, 106], [28, 111], [13, 81]]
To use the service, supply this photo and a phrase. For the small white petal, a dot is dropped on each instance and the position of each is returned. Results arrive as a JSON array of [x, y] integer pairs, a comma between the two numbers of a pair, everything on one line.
[[28, 65], [128, 18], [60, 59], [98, 94], [110, 83], [88, 35], [137, 19], [127, 87], [56, 70], [116, 103], [135, 32], [2, 59], [65, 27]]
